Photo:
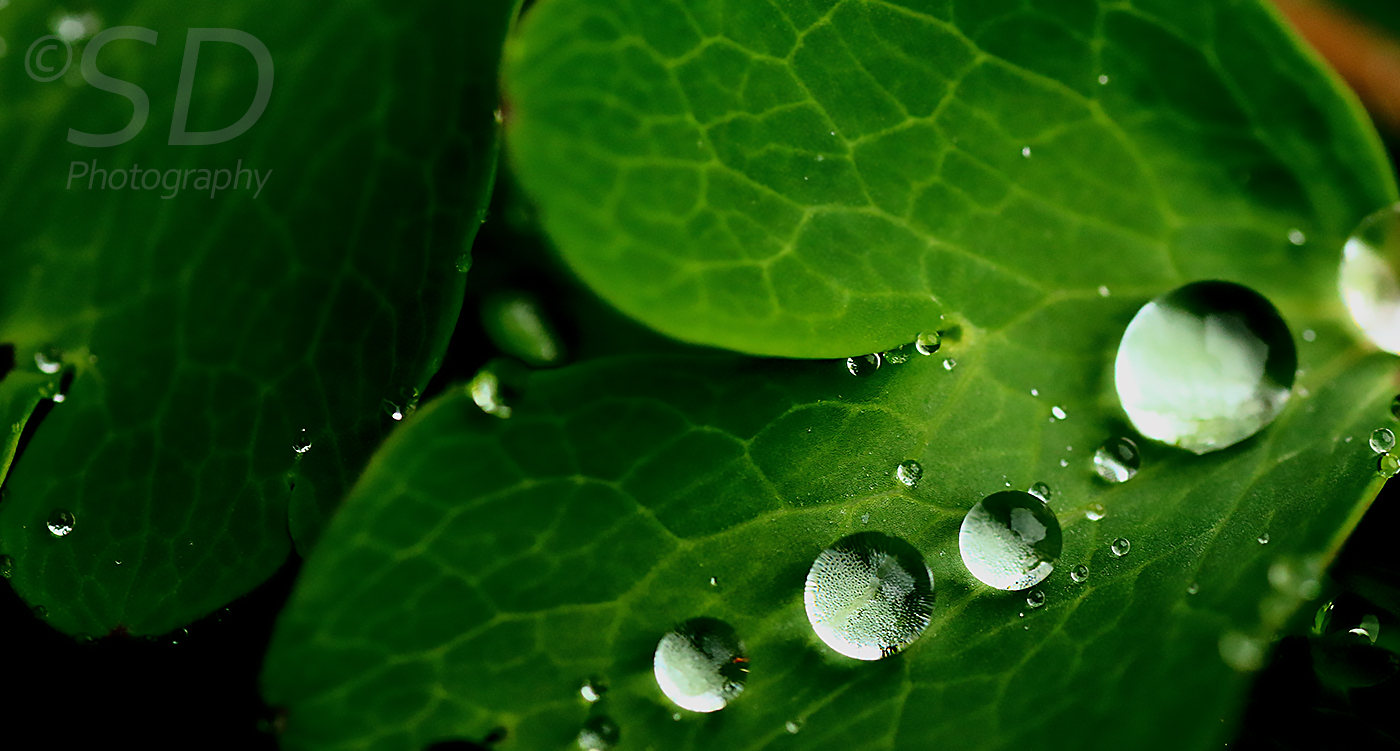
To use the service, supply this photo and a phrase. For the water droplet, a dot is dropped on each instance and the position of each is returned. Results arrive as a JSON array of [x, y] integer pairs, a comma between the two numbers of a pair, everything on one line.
[[1042, 491], [1064, 462], [1193, 588], [1079, 573], [392, 410], [1388, 465], [928, 342], [899, 355], [1367, 278], [593, 689], [714, 581], [1035, 598], [949, 363], [49, 360], [485, 389], [1382, 440], [1297, 237], [7, 566], [302, 444], [1058, 413], [865, 518], [792, 727], [60, 398], [1026, 152], [1103, 80], [61, 522], [1205, 366], [1120, 547], [1035, 392], [701, 665], [863, 365], [1309, 335], [599, 734], [909, 472], [869, 595], [1117, 460], [1264, 539], [1104, 291], [1010, 540], [1095, 512]]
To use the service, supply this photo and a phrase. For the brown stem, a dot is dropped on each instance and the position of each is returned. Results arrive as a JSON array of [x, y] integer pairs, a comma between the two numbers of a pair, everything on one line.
[[1366, 58]]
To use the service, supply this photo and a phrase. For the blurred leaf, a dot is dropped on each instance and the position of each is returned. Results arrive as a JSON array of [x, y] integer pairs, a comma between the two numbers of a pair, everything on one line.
[[210, 332]]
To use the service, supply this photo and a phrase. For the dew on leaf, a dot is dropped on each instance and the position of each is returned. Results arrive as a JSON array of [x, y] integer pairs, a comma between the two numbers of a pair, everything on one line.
[[1367, 278], [1382, 440], [1205, 366], [1042, 491], [1193, 588], [1095, 512], [1010, 540], [599, 734], [909, 472], [1309, 335], [1104, 291], [1264, 539], [792, 727], [1388, 465], [49, 360], [701, 665], [1026, 152], [949, 363], [863, 365], [1058, 413], [928, 342], [61, 522], [869, 595], [1117, 460], [391, 409], [1079, 573], [899, 355], [1297, 237], [1120, 547], [485, 389], [1035, 598], [593, 689], [302, 443]]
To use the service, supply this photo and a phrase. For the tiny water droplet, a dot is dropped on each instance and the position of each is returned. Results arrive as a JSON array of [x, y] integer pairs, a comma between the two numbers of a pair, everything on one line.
[[1026, 152], [1297, 237], [60, 522], [1103, 80], [1035, 598], [792, 727], [1367, 278], [1104, 291], [701, 665], [714, 581], [1309, 335], [60, 398], [599, 734], [1035, 392], [899, 355], [1095, 512], [1058, 413], [1120, 547], [1010, 540], [593, 689], [1193, 588], [302, 444], [909, 472], [865, 518], [1042, 491], [1205, 366], [928, 342], [1064, 462], [1388, 465], [863, 365], [49, 360], [391, 409], [1382, 440], [1264, 539], [869, 595], [7, 566], [1079, 573], [1117, 460], [949, 363]]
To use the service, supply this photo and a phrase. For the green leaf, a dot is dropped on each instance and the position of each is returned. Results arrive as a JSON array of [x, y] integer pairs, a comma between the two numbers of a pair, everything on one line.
[[484, 569], [209, 332], [815, 178]]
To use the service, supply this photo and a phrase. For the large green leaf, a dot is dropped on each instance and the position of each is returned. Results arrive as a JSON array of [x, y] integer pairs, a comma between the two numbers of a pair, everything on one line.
[[820, 178], [208, 333]]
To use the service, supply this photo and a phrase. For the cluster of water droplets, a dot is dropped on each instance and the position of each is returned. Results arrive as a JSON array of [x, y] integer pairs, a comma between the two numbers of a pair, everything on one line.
[[925, 344]]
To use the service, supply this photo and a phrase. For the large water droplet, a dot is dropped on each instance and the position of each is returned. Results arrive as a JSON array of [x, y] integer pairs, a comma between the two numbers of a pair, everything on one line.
[[60, 522], [869, 595], [1205, 366], [928, 342], [1367, 278], [1382, 441], [863, 365], [701, 665], [909, 472], [1117, 460], [1010, 540], [1120, 547], [599, 734]]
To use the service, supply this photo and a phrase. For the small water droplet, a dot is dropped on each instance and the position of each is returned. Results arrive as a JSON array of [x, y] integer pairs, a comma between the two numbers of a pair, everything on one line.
[[61, 522], [1309, 335], [1205, 366], [1193, 588], [485, 389], [1120, 547], [928, 342], [1058, 413], [599, 734], [1010, 540], [1035, 392], [1382, 440], [1103, 80], [869, 595], [391, 409], [593, 689], [899, 355], [1264, 539], [1035, 598], [1117, 460], [863, 365], [1064, 462], [792, 727], [1297, 237], [1095, 512], [1079, 573], [1026, 152], [949, 363], [909, 472], [49, 360], [302, 444], [1388, 465], [1042, 491], [1104, 291], [701, 665], [7, 566], [60, 398], [714, 581]]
